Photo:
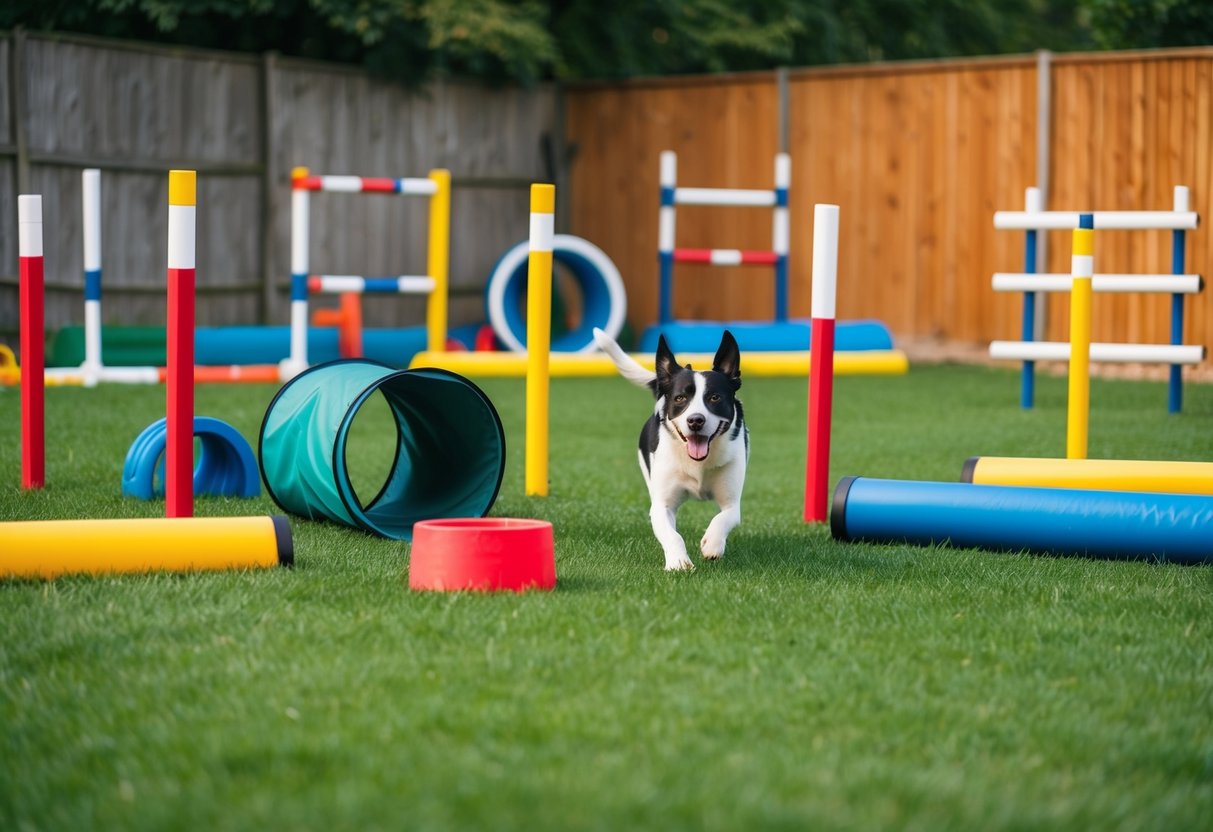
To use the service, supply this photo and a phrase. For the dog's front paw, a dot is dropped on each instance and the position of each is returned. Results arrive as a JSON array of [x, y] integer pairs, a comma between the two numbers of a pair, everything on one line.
[[712, 546], [678, 563]]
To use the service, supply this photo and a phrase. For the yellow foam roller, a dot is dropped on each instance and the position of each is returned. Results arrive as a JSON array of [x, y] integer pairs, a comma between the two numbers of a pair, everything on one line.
[[50, 548], [1099, 474]]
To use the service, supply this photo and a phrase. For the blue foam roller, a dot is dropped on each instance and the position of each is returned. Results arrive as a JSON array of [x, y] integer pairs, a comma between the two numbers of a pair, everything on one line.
[[1104, 524], [225, 468], [758, 336], [395, 346], [260, 344]]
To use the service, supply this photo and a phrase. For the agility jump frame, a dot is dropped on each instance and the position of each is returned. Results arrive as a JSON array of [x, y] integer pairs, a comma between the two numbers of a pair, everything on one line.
[[94, 370], [436, 186], [1035, 219], [673, 196]]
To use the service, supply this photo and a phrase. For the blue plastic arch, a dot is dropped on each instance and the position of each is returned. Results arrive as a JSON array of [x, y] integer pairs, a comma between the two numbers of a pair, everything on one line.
[[226, 466]]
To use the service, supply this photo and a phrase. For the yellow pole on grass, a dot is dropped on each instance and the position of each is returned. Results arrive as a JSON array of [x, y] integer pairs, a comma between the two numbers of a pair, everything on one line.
[[539, 336], [438, 260], [1082, 269]]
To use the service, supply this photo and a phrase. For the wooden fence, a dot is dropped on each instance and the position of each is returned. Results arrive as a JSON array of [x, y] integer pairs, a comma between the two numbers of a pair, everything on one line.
[[919, 156], [67, 103]]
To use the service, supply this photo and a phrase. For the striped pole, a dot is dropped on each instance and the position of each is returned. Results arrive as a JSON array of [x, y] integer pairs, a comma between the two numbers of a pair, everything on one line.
[[33, 380], [1175, 391], [539, 336], [821, 361], [1082, 268], [1027, 383], [91, 191], [300, 206], [438, 260], [179, 451], [665, 237], [780, 234]]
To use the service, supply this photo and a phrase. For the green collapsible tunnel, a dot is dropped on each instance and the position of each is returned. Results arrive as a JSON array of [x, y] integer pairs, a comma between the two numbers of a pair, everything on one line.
[[450, 447]]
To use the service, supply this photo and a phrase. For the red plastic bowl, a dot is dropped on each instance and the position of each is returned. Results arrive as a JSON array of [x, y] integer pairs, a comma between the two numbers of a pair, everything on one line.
[[482, 553]]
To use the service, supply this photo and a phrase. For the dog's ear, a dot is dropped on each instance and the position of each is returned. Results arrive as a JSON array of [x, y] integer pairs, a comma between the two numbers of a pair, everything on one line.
[[666, 363], [728, 359]]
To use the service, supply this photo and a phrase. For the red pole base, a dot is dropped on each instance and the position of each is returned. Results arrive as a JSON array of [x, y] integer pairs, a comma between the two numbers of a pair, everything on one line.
[[821, 398]]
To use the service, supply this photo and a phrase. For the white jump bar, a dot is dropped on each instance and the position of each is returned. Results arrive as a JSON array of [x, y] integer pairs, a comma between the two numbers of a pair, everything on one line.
[[1186, 284], [1122, 220], [339, 283], [1060, 351], [724, 196], [124, 375], [409, 186]]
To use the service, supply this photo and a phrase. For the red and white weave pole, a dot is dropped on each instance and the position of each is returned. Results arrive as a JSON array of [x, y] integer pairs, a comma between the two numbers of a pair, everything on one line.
[[179, 451], [33, 360], [821, 362]]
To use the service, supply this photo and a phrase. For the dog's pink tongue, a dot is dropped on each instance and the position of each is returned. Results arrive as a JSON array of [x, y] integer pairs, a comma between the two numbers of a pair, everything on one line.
[[697, 447]]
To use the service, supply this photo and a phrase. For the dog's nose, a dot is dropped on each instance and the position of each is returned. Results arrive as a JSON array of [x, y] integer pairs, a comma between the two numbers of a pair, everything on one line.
[[696, 422]]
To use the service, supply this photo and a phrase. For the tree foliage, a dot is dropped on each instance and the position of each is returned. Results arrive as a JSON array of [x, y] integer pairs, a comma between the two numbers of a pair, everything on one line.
[[1143, 24], [529, 40]]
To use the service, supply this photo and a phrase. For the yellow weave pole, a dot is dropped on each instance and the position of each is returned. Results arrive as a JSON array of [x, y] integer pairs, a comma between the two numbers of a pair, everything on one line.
[[438, 260], [1082, 269], [1097, 474], [50, 548], [539, 336]]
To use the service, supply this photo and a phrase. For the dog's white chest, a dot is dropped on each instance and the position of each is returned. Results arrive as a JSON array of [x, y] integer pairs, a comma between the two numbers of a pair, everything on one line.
[[678, 476]]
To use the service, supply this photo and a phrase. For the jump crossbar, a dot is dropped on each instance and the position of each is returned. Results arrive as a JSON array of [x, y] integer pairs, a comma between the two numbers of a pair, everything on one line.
[[407, 186], [1102, 352], [725, 257], [341, 283], [1104, 220], [736, 197], [1187, 284]]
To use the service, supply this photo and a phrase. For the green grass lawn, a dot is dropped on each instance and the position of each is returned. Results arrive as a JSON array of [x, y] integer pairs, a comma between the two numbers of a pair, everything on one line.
[[797, 684]]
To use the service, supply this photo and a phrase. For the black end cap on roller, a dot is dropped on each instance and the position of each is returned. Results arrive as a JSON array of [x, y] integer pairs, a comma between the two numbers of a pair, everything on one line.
[[282, 536], [838, 508], [969, 468]]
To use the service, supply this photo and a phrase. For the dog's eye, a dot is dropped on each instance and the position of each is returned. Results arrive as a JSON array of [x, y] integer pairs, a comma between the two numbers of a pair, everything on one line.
[[714, 398], [679, 399]]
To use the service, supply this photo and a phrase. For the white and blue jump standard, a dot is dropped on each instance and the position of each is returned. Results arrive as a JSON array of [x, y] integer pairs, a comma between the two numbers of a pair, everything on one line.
[[93, 370], [1035, 219], [779, 334], [91, 193], [672, 196]]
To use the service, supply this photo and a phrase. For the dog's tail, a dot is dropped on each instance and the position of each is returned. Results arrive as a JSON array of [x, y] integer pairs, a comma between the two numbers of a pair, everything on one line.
[[628, 367]]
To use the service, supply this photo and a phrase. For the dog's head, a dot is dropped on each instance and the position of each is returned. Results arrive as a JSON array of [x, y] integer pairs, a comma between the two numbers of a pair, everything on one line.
[[699, 406]]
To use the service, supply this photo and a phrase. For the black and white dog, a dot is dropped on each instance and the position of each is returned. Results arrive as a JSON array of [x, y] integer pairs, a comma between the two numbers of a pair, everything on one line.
[[695, 445]]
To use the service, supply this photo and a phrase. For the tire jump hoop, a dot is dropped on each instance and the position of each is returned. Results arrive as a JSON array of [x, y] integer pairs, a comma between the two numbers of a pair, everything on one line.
[[449, 458], [225, 467], [604, 299]]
